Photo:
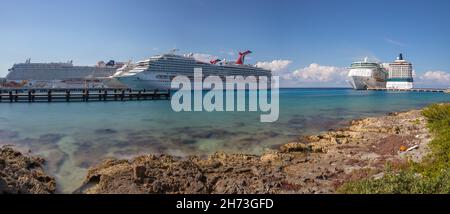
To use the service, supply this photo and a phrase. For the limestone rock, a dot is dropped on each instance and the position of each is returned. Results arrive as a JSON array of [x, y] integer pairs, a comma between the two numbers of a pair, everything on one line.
[[21, 174]]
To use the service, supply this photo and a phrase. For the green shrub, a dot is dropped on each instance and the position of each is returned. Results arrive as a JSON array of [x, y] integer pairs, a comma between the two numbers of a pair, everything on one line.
[[432, 176]]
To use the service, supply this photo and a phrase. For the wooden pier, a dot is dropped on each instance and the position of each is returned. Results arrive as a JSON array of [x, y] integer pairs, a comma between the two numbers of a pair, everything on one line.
[[80, 95], [411, 90]]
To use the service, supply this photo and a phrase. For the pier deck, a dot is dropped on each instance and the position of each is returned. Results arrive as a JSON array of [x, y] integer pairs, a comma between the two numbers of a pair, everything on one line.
[[413, 90], [79, 95]]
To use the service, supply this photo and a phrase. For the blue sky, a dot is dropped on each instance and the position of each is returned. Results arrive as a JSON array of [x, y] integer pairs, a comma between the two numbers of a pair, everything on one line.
[[311, 41]]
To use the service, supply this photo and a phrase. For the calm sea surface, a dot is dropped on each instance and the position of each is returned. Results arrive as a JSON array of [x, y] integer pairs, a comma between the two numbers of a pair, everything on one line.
[[75, 136]]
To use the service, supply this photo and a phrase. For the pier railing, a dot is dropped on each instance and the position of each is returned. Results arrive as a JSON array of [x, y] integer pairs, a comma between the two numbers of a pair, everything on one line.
[[80, 95]]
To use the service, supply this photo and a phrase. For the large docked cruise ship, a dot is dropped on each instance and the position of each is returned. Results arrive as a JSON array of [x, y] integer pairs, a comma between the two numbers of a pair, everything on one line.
[[400, 74], [157, 72], [365, 74], [60, 70], [60, 74]]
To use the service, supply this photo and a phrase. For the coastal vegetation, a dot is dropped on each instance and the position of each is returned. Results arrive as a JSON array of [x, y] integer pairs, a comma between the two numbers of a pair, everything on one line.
[[431, 176]]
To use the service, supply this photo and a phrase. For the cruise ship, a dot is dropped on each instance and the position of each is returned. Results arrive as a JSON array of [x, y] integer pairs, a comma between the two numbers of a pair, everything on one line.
[[400, 74], [158, 71], [58, 73], [365, 74]]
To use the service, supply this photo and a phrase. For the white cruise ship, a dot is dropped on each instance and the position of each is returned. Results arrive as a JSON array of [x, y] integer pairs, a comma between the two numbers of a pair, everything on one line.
[[157, 72], [58, 74], [365, 74], [60, 70], [400, 74]]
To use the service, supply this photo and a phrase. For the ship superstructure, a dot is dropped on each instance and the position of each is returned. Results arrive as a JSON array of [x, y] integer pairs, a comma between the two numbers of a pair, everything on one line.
[[157, 72]]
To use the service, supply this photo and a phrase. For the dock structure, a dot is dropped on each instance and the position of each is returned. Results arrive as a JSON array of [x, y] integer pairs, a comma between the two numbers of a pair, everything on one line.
[[411, 90], [80, 95]]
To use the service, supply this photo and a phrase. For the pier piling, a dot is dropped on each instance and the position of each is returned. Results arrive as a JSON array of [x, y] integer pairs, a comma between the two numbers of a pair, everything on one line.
[[67, 96], [105, 95], [33, 95], [29, 96]]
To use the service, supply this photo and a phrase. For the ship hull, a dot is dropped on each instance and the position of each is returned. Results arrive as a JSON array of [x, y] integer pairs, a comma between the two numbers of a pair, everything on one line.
[[363, 83], [151, 81], [137, 83]]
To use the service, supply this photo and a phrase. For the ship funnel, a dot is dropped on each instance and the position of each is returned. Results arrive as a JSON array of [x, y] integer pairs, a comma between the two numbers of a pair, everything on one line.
[[241, 58], [111, 63], [400, 56]]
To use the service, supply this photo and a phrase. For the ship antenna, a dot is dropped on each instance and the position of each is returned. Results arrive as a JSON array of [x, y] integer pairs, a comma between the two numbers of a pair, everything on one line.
[[174, 50]]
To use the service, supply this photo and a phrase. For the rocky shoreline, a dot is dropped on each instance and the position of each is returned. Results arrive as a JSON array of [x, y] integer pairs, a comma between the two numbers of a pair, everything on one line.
[[22, 174], [312, 164]]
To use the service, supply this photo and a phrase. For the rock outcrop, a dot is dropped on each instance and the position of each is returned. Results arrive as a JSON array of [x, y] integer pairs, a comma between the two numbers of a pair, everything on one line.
[[21, 174]]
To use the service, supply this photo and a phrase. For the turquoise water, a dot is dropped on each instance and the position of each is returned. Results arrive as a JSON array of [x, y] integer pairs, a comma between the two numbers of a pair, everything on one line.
[[75, 136]]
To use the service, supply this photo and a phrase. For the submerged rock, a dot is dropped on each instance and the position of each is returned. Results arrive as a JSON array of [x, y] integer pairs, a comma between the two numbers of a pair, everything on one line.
[[105, 131], [5, 134]]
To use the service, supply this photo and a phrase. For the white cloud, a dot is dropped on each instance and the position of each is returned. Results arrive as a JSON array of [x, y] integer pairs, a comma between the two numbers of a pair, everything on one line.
[[275, 65], [319, 73], [228, 52], [204, 57], [394, 42], [436, 76]]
